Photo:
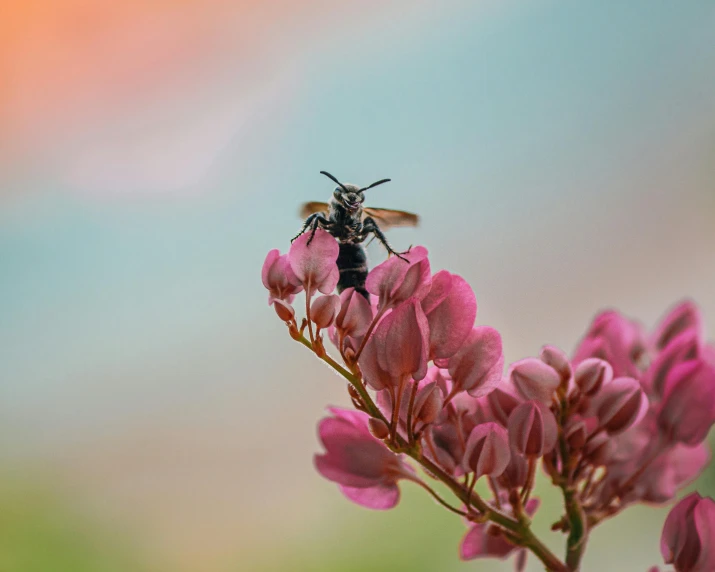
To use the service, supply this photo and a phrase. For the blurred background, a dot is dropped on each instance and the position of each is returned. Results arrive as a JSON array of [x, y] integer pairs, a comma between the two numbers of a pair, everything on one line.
[[154, 415]]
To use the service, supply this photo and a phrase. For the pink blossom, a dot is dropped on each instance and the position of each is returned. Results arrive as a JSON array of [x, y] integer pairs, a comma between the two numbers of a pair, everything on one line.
[[315, 265], [684, 347], [278, 277], [556, 358], [503, 400], [688, 539], [365, 469], [451, 308], [396, 280], [532, 429], [687, 410], [478, 365], [533, 379], [487, 450]]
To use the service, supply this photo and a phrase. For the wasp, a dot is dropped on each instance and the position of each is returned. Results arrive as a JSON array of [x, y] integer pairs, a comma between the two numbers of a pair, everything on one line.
[[351, 223]]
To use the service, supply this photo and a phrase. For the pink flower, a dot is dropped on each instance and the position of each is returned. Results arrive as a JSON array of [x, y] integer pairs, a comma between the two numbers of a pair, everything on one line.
[[487, 450], [619, 404], [591, 374], [532, 429], [478, 365], [365, 469], [687, 410], [451, 308], [688, 539], [395, 280], [278, 277], [484, 540], [533, 379], [556, 358], [315, 265]]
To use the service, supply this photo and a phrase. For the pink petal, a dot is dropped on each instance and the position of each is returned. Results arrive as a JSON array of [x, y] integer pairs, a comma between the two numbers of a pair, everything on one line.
[[403, 337], [355, 314], [324, 309], [315, 264], [591, 374], [487, 450], [389, 280], [556, 358], [380, 497], [620, 404], [451, 320], [532, 429], [479, 543], [478, 365], [684, 317]]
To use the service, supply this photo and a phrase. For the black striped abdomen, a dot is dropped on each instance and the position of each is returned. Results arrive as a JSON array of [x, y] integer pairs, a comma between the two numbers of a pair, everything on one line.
[[352, 264]]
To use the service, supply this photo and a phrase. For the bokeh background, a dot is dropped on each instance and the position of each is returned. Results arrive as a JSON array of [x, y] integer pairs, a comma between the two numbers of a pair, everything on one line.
[[154, 415]]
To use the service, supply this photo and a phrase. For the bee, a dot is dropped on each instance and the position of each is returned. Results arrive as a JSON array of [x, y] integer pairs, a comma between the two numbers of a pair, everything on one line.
[[351, 223]]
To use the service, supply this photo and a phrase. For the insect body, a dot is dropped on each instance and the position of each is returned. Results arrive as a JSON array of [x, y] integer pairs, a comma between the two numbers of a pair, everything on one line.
[[350, 223]]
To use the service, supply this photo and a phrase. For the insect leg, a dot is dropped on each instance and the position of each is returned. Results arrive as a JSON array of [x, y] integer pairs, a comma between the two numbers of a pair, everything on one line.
[[310, 220], [370, 226], [318, 221]]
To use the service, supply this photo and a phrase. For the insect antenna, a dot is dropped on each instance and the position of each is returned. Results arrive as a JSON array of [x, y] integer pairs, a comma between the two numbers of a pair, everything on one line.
[[376, 184], [333, 179]]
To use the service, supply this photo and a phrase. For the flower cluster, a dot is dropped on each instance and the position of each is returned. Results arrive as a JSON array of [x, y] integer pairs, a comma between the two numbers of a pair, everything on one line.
[[623, 421]]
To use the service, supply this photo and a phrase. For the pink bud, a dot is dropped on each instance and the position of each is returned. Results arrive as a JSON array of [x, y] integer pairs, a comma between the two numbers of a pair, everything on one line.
[[428, 403], [685, 317], [279, 278], [378, 428], [450, 307], [502, 401], [487, 450], [687, 410], [355, 314], [576, 434], [591, 374], [689, 535], [532, 429], [556, 358], [402, 339], [324, 309], [516, 472], [619, 404], [534, 379], [598, 449], [478, 365], [315, 264], [284, 310], [684, 347], [375, 376], [396, 280]]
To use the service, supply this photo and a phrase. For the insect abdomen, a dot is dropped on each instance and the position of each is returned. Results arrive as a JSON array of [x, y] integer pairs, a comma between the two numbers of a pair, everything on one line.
[[352, 264]]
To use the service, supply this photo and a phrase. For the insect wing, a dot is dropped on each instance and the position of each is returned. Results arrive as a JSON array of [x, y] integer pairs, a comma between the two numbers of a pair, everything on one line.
[[387, 218], [312, 207]]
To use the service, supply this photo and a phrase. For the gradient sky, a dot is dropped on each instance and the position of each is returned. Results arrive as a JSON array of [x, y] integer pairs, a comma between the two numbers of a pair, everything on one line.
[[560, 154]]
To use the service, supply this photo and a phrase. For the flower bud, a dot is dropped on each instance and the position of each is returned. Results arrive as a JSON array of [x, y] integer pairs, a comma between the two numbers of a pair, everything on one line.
[[619, 404], [378, 428], [355, 314], [556, 358], [487, 450], [689, 535], [324, 309], [395, 280], [532, 429], [684, 317], [576, 434], [502, 401], [598, 449], [534, 379], [279, 278], [284, 310], [687, 410], [591, 374], [428, 403]]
